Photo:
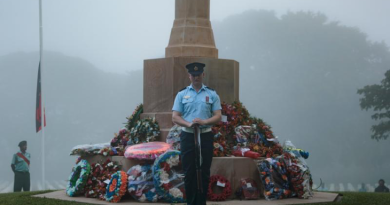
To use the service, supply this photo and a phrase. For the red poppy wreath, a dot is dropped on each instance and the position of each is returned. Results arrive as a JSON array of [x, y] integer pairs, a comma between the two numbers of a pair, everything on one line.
[[217, 180]]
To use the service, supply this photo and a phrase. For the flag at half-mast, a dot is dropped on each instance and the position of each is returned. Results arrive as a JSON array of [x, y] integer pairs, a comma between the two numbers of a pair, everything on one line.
[[38, 108]]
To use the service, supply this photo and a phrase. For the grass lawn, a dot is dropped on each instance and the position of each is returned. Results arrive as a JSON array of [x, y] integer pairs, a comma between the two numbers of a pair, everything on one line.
[[349, 198]]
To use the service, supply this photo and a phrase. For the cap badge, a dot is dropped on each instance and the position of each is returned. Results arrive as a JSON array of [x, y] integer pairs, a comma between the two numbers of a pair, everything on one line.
[[196, 68]]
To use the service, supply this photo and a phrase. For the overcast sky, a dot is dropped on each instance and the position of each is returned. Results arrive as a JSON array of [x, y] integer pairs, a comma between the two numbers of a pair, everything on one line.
[[117, 35]]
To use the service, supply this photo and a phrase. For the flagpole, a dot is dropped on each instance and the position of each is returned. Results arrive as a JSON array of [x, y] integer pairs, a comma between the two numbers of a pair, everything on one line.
[[43, 104]]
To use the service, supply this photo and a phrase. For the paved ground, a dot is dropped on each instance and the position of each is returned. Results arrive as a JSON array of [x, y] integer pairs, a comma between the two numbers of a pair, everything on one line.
[[318, 197]]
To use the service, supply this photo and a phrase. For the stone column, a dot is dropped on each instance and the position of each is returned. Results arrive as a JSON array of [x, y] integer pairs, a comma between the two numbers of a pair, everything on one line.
[[192, 34]]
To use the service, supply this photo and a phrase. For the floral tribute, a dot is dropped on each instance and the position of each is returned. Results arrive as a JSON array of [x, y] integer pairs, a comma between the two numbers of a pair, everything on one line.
[[78, 178], [219, 181], [131, 121], [118, 143], [136, 131], [224, 134], [141, 186], [112, 151], [145, 130], [116, 188], [298, 171], [173, 137], [168, 178], [249, 189], [257, 135], [147, 151], [120, 140], [100, 172], [88, 149], [273, 174]]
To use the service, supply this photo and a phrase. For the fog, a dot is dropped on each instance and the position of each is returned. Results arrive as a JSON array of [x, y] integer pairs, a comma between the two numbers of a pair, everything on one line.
[[116, 36], [301, 63]]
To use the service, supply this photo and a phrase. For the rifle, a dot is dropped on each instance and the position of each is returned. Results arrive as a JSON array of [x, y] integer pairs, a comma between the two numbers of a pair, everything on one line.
[[198, 159]]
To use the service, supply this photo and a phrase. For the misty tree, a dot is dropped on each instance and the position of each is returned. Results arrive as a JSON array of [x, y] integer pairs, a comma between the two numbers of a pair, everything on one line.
[[377, 97], [300, 73]]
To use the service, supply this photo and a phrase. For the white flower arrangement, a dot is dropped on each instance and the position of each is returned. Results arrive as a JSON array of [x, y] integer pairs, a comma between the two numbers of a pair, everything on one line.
[[164, 177], [175, 192], [142, 198], [173, 161]]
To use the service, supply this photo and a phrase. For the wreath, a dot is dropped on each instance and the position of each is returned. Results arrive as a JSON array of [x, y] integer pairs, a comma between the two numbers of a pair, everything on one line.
[[173, 137], [116, 188], [147, 151], [141, 186], [78, 178], [273, 175], [88, 149], [134, 117], [100, 172], [298, 171], [258, 137], [168, 178], [224, 133], [112, 151], [145, 130], [121, 138], [220, 181], [249, 189]]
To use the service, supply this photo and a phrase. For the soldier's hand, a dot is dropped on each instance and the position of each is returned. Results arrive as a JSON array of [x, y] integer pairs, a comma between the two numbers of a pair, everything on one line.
[[191, 124], [199, 121]]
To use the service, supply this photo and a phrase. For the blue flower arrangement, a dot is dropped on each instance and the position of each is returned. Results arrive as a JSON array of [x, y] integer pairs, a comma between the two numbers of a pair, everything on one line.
[[116, 188], [169, 183], [141, 186], [78, 178], [273, 190]]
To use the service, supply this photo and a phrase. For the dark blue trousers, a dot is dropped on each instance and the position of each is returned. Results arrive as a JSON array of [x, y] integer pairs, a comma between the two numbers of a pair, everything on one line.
[[187, 147], [22, 181]]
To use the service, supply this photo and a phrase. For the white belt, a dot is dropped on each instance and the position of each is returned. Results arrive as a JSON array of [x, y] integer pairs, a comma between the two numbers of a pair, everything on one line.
[[191, 130]]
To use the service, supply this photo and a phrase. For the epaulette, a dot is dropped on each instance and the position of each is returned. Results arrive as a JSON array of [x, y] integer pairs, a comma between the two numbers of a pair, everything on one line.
[[183, 89], [210, 88]]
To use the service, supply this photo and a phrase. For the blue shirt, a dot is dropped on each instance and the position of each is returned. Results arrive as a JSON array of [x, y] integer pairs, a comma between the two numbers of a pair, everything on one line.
[[192, 104], [20, 164]]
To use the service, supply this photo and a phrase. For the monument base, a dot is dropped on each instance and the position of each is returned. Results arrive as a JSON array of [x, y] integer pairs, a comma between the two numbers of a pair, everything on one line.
[[319, 197], [233, 168]]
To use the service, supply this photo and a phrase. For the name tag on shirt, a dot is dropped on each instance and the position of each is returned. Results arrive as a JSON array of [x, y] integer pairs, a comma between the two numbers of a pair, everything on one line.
[[224, 118], [186, 97]]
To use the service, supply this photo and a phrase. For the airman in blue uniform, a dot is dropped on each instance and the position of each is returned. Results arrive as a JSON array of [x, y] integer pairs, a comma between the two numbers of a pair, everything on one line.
[[199, 105], [21, 167]]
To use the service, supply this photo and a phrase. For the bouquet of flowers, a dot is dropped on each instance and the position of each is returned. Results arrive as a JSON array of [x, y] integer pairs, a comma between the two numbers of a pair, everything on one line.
[[135, 116], [100, 172], [168, 178], [141, 186], [244, 131], [224, 132], [273, 175], [145, 130], [88, 149], [173, 137], [298, 171], [112, 151]]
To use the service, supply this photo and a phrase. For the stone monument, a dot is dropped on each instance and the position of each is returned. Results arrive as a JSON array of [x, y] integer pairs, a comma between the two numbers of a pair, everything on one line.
[[191, 40]]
